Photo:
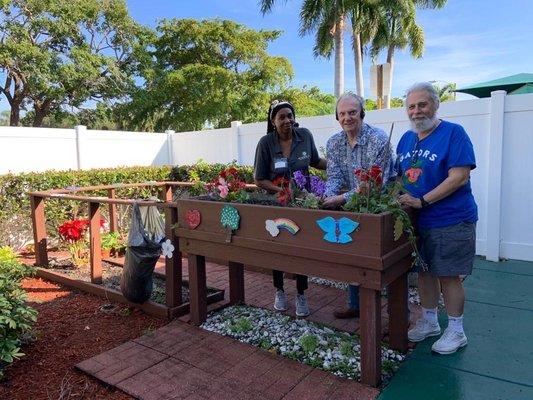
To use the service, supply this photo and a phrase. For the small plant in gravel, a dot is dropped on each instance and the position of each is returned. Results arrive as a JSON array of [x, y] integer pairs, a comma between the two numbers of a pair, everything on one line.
[[301, 340], [241, 325]]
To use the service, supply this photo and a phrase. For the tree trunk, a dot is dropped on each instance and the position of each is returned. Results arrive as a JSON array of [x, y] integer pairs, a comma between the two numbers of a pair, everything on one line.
[[39, 117], [339, 57], [358, 61], [14, 116], [390, 60], [42, 109]]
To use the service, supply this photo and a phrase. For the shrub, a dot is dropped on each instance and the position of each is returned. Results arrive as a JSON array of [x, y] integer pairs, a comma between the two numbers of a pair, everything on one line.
[[16, 318]]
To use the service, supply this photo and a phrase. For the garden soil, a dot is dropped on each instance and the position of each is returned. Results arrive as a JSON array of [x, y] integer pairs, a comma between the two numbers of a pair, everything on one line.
[[71, 327]]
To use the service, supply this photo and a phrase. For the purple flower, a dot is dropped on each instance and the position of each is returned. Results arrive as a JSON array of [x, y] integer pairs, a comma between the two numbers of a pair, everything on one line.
[[300, 179], [318, 186]]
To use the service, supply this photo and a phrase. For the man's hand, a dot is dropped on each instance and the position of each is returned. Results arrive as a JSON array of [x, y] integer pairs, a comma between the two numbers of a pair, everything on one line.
[[408, 200], [334, 201]]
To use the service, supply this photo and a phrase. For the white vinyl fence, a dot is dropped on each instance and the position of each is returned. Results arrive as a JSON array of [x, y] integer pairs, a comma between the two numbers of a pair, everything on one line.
[[501, 129]]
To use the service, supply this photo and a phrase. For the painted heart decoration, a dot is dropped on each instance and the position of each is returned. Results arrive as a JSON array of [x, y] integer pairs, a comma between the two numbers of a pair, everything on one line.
[[193, 218]]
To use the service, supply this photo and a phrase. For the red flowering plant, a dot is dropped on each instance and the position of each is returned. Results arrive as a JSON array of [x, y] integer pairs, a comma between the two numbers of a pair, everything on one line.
[[283, 197], [228, 186], [74, 233], [375, 198]]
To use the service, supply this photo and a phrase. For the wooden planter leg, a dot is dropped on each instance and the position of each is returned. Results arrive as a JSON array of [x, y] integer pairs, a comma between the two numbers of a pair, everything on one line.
[[236, 282], [370, 329], [197, 289], [173, 274], [398, 309], [39, 231], [95, 254]]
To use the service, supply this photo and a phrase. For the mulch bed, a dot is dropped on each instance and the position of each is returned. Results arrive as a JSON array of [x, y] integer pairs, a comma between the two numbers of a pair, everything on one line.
[[71, 327]]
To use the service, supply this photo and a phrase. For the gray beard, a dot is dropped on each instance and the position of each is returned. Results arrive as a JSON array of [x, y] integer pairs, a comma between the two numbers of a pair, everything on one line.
[[423, 125]]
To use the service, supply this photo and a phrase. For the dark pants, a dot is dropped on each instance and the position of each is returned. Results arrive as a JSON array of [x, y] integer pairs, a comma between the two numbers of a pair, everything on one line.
[[301, 281]]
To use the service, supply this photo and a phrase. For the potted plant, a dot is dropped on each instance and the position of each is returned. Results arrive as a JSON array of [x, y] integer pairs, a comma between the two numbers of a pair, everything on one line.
[[110, 242]]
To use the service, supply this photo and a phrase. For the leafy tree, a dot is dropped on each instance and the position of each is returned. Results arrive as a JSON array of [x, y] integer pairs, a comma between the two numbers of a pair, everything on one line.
[[57, 53], [308, 102], [205, 73]]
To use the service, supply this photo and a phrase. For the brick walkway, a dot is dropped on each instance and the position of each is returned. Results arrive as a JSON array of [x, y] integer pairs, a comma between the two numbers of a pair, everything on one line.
[[180, 361]]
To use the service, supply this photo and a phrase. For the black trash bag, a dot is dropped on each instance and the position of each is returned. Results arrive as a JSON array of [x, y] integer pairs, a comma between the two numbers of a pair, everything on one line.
[[142, 253]]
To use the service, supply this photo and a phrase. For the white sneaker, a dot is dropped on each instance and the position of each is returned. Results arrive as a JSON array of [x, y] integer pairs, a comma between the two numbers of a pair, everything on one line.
[[449, 342], [280, 303], [302, 309], [423, 329]]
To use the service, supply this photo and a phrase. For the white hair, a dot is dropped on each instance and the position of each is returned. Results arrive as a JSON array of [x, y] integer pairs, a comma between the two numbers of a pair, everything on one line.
[[426, 87]]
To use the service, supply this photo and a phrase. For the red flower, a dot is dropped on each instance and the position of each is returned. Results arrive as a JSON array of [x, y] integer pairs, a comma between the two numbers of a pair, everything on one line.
[[72, 231], [284, 197], [376, 174], [362, 174], [281, 182]]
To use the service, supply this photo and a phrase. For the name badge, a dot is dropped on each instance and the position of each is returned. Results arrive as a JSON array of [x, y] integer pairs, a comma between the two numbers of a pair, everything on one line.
[[280, 163]]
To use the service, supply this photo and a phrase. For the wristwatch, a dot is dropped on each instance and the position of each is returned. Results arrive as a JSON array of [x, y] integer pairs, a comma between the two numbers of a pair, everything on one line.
[[423, 202]]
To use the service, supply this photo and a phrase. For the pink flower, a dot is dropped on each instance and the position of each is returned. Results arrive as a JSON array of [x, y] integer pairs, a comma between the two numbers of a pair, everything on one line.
[[223, 191]]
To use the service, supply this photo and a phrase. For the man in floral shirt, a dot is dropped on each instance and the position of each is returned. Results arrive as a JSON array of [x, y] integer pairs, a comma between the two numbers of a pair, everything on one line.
[[358, 145]]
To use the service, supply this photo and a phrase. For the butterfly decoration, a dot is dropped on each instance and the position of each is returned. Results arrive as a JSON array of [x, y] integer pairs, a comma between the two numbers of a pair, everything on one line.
[[337, 231]]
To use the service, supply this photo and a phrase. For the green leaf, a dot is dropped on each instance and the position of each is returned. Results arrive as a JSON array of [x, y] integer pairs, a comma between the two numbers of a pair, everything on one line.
[[398, 228]]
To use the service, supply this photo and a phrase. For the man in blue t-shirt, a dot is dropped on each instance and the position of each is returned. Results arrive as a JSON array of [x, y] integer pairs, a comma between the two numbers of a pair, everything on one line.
[[434, 161]]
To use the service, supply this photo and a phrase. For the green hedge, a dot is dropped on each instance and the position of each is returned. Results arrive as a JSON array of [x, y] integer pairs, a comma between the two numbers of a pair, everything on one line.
[[16, 318]]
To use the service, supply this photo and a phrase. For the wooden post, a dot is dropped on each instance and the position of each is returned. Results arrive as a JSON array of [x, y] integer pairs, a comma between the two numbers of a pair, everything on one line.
[[95, 251], [39, 230], [113, 219], [166, 193], [398, 313], [197, 289], [236, 282], [173, 273], [370, 336]]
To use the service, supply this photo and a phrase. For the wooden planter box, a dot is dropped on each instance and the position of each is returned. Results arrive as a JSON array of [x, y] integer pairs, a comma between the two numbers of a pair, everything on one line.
[[372, 259], [149, 307]]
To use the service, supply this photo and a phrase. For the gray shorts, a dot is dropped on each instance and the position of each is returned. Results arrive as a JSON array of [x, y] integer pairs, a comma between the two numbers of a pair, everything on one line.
[[448, 251]]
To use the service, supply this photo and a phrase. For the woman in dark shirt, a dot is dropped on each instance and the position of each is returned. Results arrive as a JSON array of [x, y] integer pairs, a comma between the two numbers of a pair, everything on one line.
[[285, 149]]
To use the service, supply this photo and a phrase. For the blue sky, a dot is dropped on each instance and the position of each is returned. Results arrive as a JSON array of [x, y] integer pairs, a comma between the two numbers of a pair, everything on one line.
[[468, 41]]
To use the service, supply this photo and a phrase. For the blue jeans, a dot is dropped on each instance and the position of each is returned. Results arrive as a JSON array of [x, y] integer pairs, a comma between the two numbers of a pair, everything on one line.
[[353, 297]]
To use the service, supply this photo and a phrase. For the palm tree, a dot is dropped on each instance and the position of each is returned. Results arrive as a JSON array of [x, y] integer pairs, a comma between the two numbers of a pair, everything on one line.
[[398, 29], [327, 18]]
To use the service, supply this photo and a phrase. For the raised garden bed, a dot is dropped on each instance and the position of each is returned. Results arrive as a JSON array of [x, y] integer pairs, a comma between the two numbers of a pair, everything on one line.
[[371, 257], [61, 271]]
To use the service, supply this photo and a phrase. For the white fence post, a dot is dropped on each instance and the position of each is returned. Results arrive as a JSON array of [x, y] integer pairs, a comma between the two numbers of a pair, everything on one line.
[[170, 135], [235, 131], [494, 183], [81, 131]]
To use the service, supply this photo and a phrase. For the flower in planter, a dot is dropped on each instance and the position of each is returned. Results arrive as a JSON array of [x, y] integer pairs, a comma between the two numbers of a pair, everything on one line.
[[74, 233], [228, 186], [374, 198]]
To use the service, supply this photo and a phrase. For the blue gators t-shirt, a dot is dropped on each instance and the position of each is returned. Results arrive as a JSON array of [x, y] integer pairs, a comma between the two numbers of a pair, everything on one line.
[[423, 165]]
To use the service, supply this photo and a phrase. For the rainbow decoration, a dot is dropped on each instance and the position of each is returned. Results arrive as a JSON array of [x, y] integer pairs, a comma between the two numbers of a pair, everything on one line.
[[274, 225]]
